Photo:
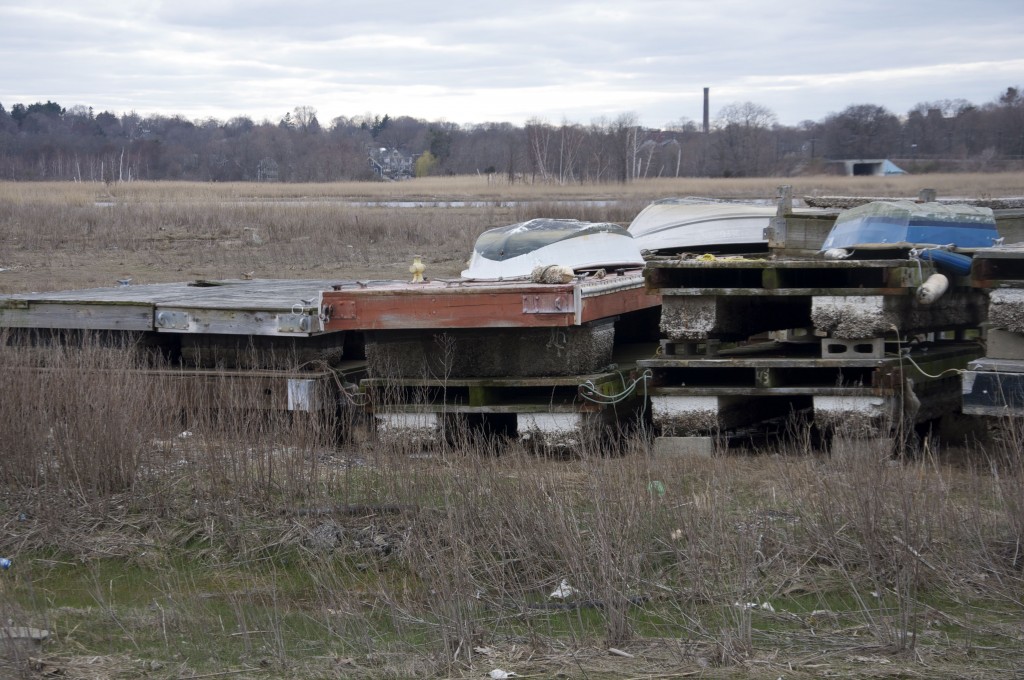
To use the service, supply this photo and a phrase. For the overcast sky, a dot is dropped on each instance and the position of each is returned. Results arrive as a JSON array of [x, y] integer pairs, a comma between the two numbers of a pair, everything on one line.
[[476, 61]]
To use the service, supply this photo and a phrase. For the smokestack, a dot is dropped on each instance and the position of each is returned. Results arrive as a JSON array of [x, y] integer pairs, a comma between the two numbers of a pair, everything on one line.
[[707, 118]]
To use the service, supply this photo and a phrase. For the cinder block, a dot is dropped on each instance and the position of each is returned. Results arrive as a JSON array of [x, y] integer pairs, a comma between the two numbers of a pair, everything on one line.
[[1003, 344], [838, 348], [684, 446]]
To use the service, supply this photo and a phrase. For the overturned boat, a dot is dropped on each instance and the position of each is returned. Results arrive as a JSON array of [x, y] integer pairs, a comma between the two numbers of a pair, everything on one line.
[[514, 251], [892, 225], [681, 224]]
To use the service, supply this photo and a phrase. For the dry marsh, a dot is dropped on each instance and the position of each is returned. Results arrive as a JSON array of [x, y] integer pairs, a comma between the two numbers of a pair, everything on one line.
[[156, 534], [74, 235]]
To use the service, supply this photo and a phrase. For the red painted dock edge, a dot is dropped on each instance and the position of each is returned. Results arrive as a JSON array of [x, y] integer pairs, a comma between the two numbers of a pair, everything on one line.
[[464, 304]]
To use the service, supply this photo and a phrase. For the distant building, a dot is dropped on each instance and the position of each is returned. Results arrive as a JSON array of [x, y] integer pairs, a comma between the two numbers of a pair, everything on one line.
[[391, 163], [864, 167]]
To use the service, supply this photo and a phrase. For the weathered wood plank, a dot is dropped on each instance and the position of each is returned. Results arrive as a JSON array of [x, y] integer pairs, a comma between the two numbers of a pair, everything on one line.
[[78, 316], [780, 292], [506, 407], [260, 307]]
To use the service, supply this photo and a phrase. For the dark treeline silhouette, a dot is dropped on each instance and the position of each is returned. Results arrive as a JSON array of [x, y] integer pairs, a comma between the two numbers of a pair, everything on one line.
[[44, 141]]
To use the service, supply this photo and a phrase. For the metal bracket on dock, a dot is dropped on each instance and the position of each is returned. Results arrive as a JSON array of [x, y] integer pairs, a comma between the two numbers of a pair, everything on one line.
[[178, 321], [294, 323], [343, 309], [548, 303]]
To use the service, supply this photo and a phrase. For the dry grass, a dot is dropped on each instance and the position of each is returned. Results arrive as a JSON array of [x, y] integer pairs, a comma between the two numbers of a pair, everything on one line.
[[155, 535], [498, 189], [251, 543], [78, 235]]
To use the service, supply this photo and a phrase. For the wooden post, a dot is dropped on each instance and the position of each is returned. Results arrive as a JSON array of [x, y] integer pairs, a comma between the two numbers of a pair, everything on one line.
[[784, 199]]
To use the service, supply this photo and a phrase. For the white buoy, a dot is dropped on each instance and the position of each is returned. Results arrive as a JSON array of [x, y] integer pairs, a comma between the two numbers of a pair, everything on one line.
[[932, 289]]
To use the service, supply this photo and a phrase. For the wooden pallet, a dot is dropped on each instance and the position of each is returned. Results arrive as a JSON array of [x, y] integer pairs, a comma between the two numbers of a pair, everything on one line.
[[698, 396], [550, 411], [812, 276], [732, 299], [253, 389]]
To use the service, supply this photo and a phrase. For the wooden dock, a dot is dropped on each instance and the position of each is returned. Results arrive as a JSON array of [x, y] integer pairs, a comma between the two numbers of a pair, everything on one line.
[[458, 303], [265, 307], [741, 342], [515, 357]]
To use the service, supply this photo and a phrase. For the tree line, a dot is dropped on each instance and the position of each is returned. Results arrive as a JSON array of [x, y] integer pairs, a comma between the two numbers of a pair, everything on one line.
[[45, 141]]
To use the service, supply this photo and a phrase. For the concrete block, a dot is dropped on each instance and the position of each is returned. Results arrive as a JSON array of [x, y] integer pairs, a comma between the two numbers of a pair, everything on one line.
[[1006, 309], [1003, 344], [697, 317], [871, 316], [684, 415], [855, 416], [408, 429], [838, 348], [552, 430]]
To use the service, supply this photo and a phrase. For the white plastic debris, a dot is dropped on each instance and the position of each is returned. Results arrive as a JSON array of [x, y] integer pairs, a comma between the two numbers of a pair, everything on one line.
[[563, 591], [185, 435], [499, 674], [767, 606], [837, 254]]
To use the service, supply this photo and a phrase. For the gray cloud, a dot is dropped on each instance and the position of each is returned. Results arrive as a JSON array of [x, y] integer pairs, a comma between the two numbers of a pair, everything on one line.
[[485, 61]]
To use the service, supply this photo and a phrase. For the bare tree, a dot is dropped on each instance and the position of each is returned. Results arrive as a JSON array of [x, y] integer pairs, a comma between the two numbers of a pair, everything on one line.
[[861, 131], [305, 119], [570, 144], [743, 139], [622, 135], [538, 137]]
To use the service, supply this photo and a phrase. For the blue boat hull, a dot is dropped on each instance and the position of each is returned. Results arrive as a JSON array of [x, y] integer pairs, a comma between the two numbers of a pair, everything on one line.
[[903, 224]]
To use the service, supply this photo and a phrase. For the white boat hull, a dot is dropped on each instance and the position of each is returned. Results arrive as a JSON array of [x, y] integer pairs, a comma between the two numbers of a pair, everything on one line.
[[514, 252], [693, 224]]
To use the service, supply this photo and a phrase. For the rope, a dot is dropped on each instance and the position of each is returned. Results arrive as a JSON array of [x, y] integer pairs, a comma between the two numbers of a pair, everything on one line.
[[348, 390], [905, 354], [589, 391]]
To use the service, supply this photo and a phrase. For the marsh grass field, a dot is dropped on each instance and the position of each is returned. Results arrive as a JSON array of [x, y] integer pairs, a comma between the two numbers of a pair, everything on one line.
[[76, 235], [155, 535]]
